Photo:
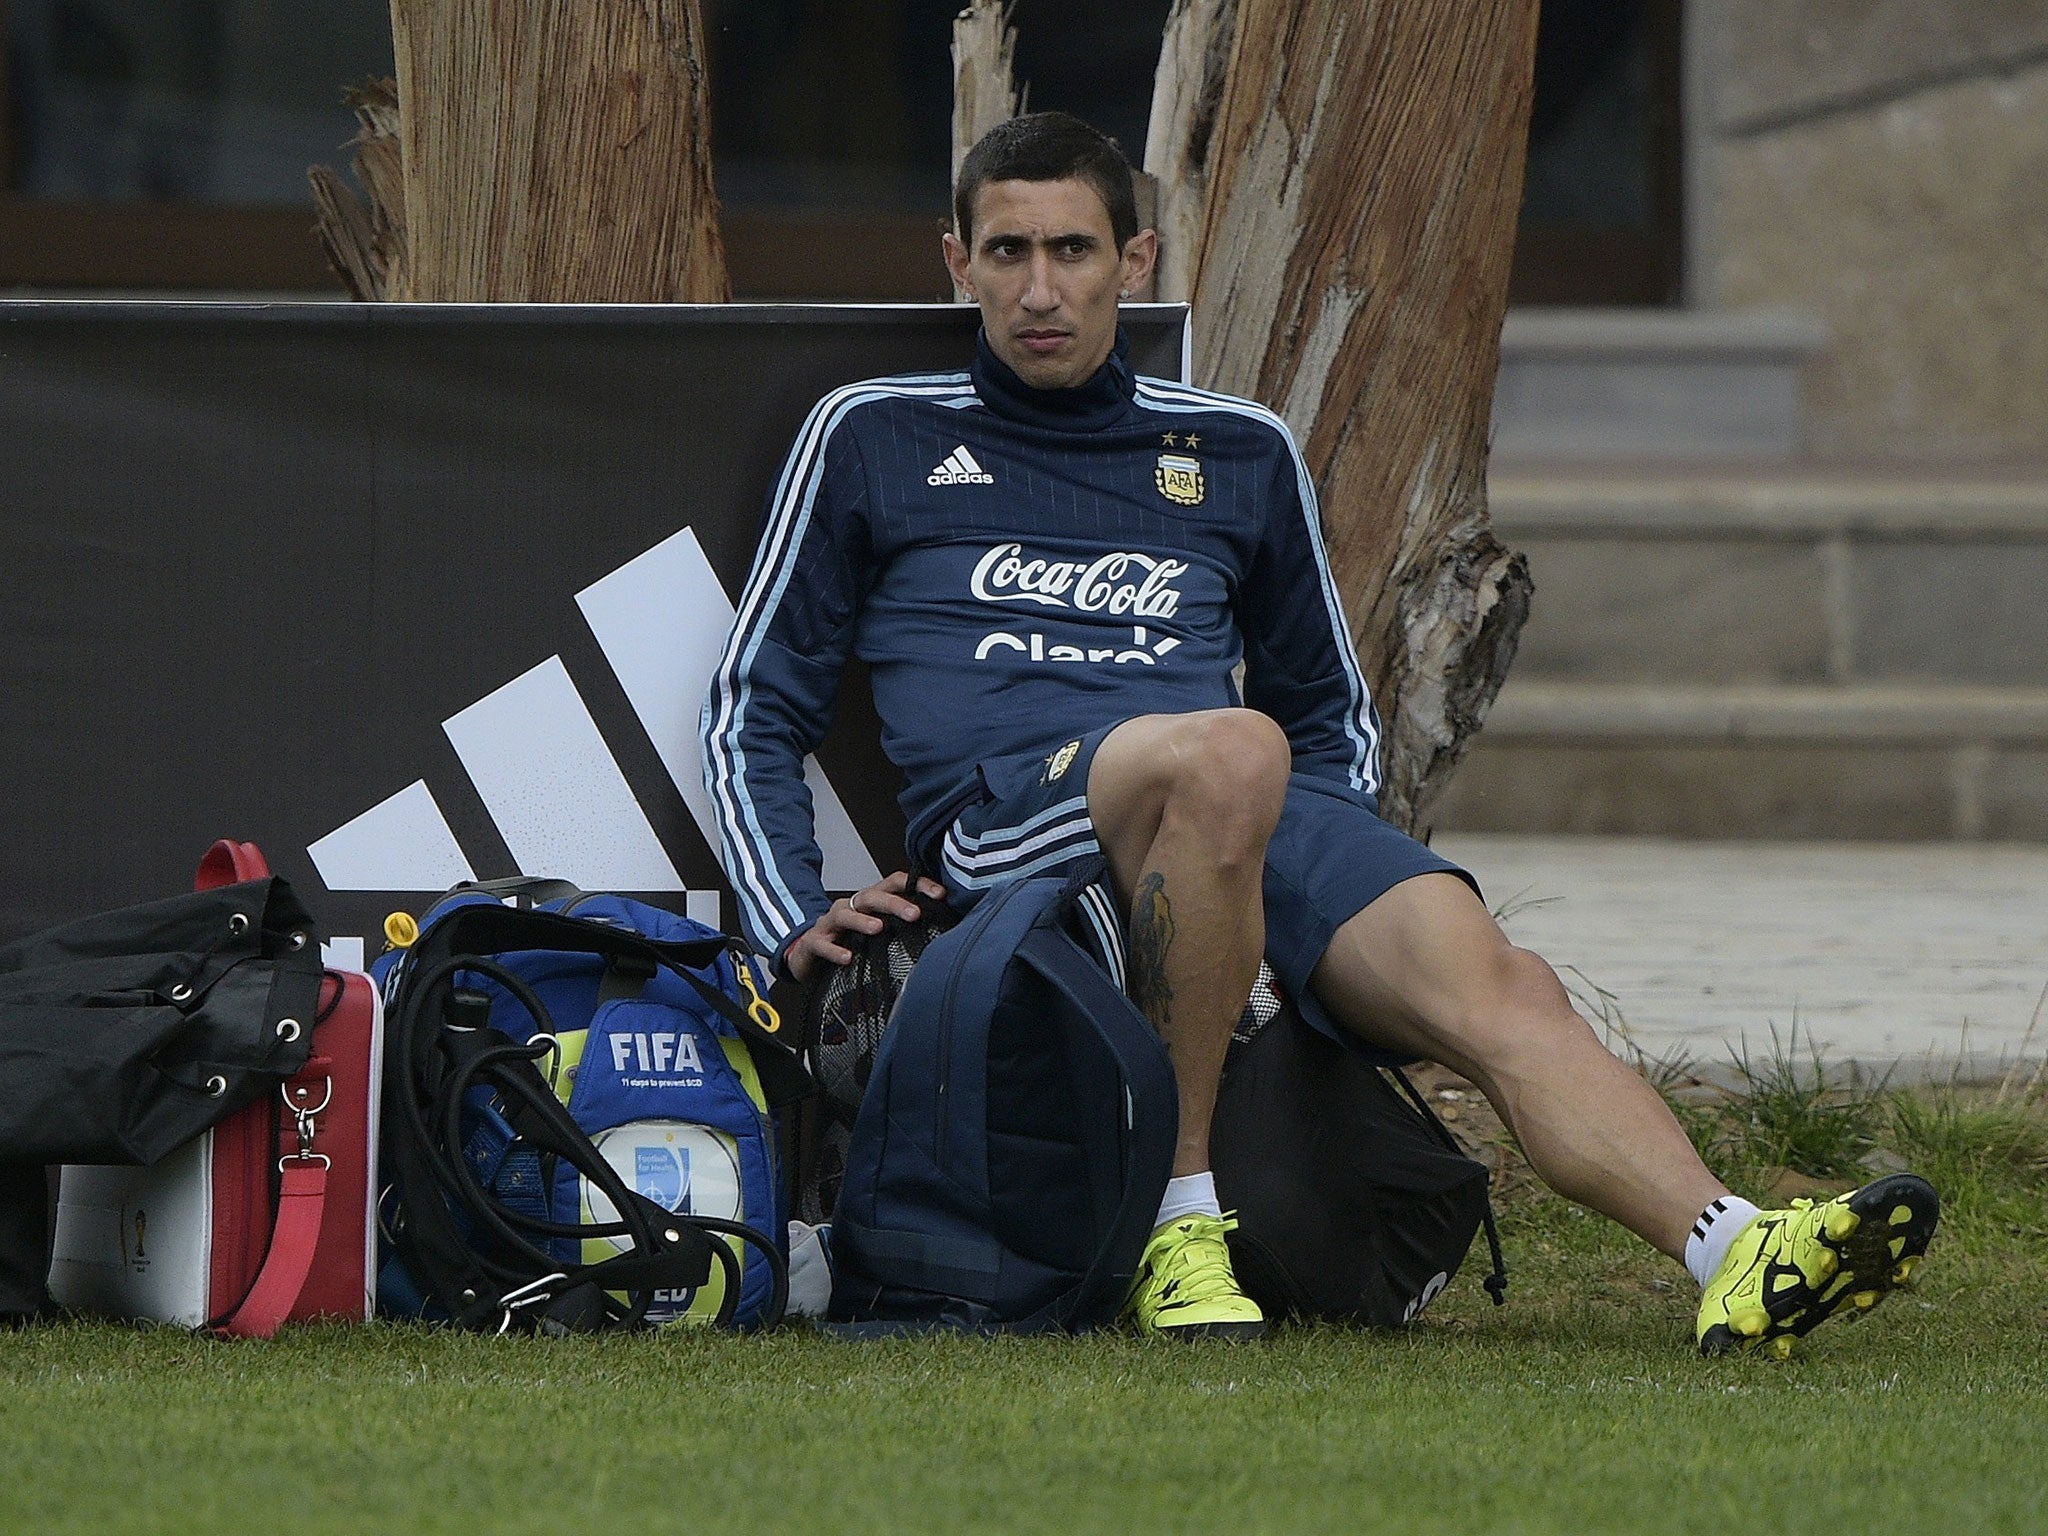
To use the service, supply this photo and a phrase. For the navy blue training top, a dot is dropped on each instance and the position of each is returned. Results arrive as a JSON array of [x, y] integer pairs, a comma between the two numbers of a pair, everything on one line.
[[1018, 567]]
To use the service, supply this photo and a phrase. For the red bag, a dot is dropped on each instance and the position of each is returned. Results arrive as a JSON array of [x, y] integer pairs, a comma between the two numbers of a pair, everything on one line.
[[268, 1218]]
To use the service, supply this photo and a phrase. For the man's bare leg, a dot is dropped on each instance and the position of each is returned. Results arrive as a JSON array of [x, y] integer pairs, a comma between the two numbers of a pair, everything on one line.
[[1426, 970], [1183, 806]]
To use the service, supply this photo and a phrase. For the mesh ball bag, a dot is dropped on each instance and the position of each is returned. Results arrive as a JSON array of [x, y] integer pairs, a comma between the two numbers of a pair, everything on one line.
[[845, 1015]]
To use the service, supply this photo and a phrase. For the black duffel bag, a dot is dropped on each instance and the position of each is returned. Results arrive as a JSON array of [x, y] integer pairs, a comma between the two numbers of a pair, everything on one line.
[[1354, 1203], [126, 1034]]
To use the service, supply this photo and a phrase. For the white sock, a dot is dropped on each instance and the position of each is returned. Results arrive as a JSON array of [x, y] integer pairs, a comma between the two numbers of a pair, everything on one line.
[[1719, 1225], [1192, 1194]]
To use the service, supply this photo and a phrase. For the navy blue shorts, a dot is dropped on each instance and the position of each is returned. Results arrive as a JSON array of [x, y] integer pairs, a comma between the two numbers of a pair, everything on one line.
[[1329, 859]]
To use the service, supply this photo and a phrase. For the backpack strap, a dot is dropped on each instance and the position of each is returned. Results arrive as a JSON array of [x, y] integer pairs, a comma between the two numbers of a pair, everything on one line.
[[1147, 1072], [1497, 1282], [301, 1209], [301, 1167], [528, 890]]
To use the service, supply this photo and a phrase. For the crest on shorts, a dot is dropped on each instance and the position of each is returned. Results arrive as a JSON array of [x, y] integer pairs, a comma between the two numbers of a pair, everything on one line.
[[1179, 479], [1061, 761]]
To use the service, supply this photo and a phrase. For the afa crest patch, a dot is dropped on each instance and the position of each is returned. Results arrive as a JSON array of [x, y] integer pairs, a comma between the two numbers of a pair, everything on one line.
[[1179, 479], [1057, 765]]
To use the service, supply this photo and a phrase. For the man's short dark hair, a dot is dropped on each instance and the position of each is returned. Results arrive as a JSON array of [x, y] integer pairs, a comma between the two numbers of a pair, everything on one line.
[[1049, 146]]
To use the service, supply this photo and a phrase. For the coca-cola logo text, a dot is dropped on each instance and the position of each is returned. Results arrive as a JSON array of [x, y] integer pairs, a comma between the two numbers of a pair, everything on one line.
[[1123, 582]]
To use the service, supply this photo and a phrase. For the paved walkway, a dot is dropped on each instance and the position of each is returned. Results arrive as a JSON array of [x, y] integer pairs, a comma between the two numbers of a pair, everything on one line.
[[1912, 957]]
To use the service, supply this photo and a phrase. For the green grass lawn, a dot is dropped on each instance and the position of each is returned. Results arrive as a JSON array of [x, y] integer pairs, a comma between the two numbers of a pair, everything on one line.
[[1578, 1407]]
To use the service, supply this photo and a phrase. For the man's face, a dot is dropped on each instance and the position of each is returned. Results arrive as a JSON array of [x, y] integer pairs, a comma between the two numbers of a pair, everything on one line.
[[1046, 271]]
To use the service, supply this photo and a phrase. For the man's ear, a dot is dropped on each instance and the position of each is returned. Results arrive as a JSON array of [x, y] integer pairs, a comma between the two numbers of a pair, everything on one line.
[[1141, 254], [956, 263]]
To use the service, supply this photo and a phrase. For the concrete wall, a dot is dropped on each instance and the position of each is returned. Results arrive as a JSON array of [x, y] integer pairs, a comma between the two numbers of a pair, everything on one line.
[[1882, 165]]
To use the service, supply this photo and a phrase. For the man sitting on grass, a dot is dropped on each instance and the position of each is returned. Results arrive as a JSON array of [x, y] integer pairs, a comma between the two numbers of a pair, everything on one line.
[[1051, 567]]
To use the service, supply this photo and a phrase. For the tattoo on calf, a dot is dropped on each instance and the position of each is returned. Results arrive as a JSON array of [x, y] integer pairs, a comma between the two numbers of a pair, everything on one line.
[[1151, 937]]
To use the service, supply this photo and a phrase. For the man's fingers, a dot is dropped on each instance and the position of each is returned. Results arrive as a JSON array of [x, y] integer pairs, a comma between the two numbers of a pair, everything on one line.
[[892, 896], [886, 897], [818, 945], [863, 912], [851, 912]]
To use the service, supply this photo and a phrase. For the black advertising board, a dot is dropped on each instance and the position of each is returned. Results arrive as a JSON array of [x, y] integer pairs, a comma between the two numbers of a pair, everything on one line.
[[404, 593]]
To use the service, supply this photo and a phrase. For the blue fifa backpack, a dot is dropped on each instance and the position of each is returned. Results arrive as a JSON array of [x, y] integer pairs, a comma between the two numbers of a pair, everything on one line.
[[579, 1105], [1017, 1131]]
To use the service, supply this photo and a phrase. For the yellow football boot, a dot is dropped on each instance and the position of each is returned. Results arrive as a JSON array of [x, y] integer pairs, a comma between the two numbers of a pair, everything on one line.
[[1185, 1288], [1789, 1271]]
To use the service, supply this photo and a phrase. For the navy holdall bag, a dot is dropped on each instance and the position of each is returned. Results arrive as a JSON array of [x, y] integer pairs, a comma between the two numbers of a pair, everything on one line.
[[1016, 1135]]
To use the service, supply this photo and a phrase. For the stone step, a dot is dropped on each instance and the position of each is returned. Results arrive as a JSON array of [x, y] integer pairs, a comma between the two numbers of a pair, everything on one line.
[[1874, 760], [1607, 384], [1777, 574]]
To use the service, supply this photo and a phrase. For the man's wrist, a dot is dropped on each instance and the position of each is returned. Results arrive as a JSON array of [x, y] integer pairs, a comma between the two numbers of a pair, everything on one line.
[[780, 965]]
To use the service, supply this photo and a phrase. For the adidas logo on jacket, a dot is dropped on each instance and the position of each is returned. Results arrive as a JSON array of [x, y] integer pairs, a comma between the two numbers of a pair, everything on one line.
[[960, 469]]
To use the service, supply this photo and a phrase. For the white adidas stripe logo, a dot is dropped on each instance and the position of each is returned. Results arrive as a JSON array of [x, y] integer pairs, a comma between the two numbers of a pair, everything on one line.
[[549, 780], [960, 469]]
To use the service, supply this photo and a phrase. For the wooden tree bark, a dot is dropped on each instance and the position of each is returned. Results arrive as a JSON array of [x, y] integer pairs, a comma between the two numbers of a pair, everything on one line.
[[555, 151], [1187, 94], [365, 236], [984, 75], [1360, 182]]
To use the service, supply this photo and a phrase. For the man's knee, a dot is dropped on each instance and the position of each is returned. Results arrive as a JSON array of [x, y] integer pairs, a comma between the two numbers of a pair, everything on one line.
[[1221, 773], [1229, 766], [1526, 982], [1522, 1010]]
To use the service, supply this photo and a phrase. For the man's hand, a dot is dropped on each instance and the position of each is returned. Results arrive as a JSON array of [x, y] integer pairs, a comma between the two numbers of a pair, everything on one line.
[[862, 912]]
